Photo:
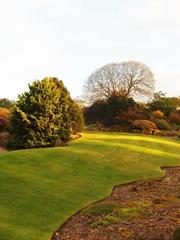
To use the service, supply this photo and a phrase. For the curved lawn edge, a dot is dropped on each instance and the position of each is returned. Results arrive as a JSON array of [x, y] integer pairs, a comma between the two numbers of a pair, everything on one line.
[[55, 183], [163, 168]]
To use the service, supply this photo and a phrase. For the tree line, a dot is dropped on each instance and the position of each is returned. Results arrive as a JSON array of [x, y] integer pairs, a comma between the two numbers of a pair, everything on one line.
[[119, 93], [116, 95]]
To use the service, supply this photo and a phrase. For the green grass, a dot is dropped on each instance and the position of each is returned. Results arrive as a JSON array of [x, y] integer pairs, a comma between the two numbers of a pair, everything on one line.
[[41, 188]]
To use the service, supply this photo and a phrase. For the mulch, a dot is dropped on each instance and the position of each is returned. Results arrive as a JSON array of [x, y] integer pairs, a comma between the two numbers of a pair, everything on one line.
[[156, 222]]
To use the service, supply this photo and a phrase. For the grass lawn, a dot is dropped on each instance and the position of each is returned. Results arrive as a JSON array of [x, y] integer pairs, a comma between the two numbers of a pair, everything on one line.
[[41, 188]]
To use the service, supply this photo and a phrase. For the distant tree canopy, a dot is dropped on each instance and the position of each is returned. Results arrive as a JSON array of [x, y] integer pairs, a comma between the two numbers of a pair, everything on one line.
[[128, 79], [44, 115], [165, 104], [119, 112], [6, 103]]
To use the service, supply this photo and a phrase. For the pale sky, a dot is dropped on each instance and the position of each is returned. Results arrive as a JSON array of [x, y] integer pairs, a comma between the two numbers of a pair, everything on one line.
[[70, 39]]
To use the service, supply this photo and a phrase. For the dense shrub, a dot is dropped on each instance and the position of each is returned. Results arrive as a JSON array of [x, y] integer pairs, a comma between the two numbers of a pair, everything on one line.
[[4, 113], [44, 116], [175, 118], [125, 118], [158, 114], [4, 137], [76, 118], [119, 112], [6, 103], [105, 112], [162, 124], [4, 119], [4, 123], [176, 234], [165, 104], [143, 125], [95, 112], [116, 106]]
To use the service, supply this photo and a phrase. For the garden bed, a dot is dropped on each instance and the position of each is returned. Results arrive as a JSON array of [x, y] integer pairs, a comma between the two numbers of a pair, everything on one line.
[[142, 210]]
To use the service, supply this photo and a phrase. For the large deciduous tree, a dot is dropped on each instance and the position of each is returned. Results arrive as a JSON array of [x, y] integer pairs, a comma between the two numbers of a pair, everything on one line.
[[44, 116], [129, 79]]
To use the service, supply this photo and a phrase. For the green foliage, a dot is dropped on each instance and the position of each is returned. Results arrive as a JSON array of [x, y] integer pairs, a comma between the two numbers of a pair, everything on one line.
[[6, 103], [128, 212], [162, 124], [176, 235], [100, 223], [165, 104], [43, 116], [107, 220], [115, 213], [100, 209], [76, 117]]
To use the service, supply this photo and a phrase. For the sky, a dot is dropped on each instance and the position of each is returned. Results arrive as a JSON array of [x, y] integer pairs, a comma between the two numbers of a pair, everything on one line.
[[70, 39]]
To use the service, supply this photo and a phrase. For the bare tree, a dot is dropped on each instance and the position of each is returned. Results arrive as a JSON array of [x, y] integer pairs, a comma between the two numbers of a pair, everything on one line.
[[130, 79]]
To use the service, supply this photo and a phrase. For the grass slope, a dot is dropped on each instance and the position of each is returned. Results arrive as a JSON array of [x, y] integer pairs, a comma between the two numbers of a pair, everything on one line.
[[41, 188]]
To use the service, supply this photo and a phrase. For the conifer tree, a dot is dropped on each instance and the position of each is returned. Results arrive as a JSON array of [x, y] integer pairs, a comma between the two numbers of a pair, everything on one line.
[[43, 116]]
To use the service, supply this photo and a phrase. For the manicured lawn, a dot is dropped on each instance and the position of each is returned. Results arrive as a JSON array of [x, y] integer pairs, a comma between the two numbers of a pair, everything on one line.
[[41, 188]]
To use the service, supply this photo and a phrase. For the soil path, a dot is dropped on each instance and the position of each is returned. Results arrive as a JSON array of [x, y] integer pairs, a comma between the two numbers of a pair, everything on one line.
[[142, 210]]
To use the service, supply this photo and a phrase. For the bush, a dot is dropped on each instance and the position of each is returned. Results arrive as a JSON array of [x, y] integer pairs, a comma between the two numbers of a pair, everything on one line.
[[99, 209], [176, 235], [4, 123], [6, 103], [4, 119], [107, 220], [44, 116], [105, 111], [4, 137], [76, 118], [143, 125], [4, 113], [175, 118], [158, 114], [125, 118], [162, 124]]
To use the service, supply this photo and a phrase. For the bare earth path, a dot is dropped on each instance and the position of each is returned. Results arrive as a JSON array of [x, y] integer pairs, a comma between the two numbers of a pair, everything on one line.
[[143, 210]]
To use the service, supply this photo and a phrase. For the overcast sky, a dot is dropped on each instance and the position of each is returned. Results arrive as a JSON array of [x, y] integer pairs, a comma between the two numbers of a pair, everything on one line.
[[69, 39]]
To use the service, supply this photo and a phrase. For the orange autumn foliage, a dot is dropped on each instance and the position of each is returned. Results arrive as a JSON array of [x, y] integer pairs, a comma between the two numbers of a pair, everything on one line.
[[4, 113], [158, 114]]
